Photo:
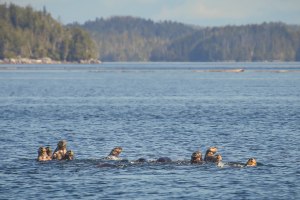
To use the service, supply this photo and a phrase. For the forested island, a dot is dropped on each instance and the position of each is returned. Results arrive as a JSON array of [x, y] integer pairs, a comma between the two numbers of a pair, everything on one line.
[[34, 36]]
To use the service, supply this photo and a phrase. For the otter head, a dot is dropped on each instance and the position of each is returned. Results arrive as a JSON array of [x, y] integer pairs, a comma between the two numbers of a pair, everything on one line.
[[116, 151], [196, 157], [210, 155], [69, 155], [251, 162], [42, 151], [218, 158], [211, 151], [62, 144]]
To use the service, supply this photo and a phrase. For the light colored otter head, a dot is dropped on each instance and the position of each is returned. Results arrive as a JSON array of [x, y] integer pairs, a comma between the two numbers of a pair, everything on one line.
[[196, 157], [116, 151], [62, 144], [251, 162]]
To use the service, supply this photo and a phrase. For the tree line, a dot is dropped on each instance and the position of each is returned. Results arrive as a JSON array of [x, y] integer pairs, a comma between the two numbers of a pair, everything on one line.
[[133, 39], [27, 33], [136, 39]]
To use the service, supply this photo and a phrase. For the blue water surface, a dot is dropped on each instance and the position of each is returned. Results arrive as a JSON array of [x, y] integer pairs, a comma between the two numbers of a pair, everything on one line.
[[151, 110]]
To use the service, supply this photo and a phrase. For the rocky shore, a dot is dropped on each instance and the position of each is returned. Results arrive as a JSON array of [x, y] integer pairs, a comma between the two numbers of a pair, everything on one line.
[[45, 61]]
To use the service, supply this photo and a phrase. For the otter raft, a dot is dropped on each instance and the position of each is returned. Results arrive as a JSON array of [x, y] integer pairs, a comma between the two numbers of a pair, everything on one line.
[[61, 153]]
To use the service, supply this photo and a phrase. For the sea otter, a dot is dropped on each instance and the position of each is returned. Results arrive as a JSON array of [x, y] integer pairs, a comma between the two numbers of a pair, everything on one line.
[[42, 154], [114, 154], [251, 162], [60, 151], [196, 157], [210, 155]]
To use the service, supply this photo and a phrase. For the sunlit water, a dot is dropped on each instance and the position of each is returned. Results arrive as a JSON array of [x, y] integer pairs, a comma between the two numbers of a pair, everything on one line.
[[151, 110]]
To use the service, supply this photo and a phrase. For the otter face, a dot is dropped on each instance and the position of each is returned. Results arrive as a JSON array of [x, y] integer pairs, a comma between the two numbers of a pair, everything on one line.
[[251, 162], [212, 149], [42, 150], [69, 155], [116, 151], [196, 157], [42, 154]]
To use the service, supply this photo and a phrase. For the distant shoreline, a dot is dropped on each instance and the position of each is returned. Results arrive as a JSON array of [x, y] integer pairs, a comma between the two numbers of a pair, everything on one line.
[[124, 67], [46, 60]]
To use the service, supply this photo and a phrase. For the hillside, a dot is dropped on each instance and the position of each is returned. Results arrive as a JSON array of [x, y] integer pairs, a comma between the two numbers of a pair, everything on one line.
[[133, 39], [35, 34], [136, 39], [265, 42]]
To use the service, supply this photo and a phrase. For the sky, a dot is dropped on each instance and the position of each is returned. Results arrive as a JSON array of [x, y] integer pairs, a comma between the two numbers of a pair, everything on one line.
[[194, 12]]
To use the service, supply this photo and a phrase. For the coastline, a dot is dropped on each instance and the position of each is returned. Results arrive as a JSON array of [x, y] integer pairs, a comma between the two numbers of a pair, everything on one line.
[[214, 67], [45, 60]]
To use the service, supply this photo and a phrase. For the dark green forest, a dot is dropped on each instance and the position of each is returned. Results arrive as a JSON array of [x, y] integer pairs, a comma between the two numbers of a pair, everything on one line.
[[265, 42], [27, 33], [133, 39], [35, 34], [136, 39]]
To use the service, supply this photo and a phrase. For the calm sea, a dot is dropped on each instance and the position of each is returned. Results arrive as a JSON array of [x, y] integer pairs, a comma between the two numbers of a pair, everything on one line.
[[151, 110]]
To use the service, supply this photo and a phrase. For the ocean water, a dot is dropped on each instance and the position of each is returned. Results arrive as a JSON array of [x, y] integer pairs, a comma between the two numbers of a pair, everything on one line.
[[151, 110]]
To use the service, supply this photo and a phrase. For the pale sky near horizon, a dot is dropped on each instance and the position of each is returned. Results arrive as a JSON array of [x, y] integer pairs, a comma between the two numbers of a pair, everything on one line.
[[197, 12]]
